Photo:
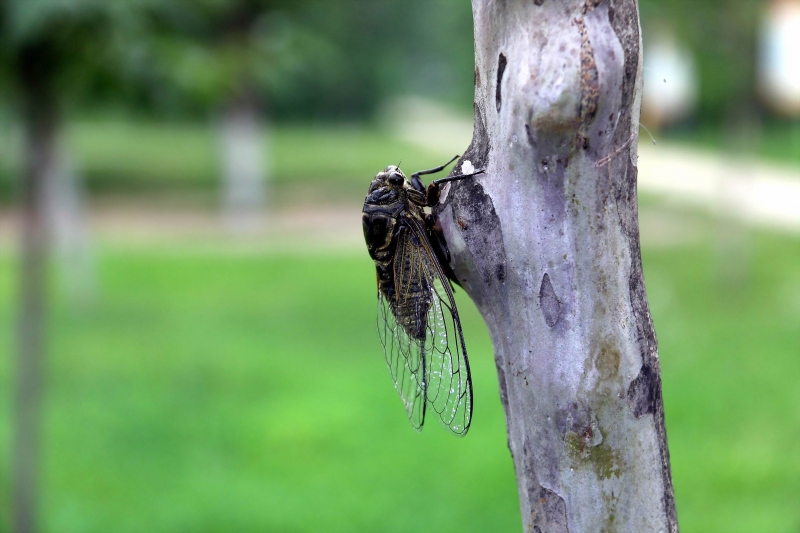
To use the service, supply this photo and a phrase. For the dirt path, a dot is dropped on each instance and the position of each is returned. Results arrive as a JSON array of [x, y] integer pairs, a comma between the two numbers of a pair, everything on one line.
[[740, 188], [323, 228], [304, 229]]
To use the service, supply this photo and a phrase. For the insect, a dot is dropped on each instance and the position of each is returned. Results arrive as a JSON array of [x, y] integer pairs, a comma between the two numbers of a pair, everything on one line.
[[417, 321]]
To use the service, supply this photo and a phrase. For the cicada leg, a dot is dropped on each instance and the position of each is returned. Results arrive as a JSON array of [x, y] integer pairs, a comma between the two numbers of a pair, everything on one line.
[[439, 246]]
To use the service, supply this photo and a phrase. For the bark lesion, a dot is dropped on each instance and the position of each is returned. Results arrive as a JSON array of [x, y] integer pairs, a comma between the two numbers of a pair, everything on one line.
[[478, 151]]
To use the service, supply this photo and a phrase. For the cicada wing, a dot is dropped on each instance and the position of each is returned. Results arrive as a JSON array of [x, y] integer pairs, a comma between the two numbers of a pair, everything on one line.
[[402, 356], [449, 390], [422, 336]]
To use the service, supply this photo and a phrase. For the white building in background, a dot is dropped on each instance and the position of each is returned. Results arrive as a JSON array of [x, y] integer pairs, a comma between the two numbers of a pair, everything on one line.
[[779, 57], [670, 81]]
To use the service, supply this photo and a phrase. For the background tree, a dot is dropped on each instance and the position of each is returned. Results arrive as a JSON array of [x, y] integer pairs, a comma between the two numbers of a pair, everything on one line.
[[226, 56], [52, 51]]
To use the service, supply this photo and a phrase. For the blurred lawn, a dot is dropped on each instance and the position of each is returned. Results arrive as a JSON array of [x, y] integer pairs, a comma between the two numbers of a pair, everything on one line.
[[213, 392], [137, 155], [114, 156]]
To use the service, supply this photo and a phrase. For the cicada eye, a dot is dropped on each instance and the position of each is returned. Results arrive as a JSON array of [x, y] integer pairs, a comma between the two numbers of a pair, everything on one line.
[[395, 178]]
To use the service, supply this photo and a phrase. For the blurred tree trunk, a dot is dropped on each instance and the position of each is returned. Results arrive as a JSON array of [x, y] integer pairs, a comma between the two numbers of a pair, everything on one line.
[[547, 245], [244, 171], [40, 115]]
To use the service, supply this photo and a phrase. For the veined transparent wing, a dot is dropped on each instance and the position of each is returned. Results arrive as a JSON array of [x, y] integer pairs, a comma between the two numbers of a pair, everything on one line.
[[421, 334], [404, 362]]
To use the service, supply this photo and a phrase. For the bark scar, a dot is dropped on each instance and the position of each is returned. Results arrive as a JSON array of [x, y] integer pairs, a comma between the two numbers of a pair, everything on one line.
[[549, 302], [644, 392], [501, 68], [480, 228], [548, 509]]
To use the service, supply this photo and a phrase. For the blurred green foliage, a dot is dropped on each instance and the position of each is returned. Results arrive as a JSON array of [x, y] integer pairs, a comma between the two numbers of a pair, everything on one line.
[[331, 59], [214, 391], [319, 58], [83, 50], [776, 141], [305, 59]]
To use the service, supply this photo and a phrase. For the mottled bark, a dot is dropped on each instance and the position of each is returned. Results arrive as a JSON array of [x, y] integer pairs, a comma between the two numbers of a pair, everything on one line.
[[546, 243]]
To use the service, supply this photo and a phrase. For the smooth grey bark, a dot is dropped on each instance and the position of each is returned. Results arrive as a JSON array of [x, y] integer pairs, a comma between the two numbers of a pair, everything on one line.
[[547, 245]]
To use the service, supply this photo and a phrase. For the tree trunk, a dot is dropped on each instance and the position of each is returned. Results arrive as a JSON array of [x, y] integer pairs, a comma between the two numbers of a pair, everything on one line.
[[243, 167], [547, 245], [41, 125]]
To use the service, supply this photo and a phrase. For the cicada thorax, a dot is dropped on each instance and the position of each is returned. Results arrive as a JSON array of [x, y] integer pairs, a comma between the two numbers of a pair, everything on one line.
[[379, 220]]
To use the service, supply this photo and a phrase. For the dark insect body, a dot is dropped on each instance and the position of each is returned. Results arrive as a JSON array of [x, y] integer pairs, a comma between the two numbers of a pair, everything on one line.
[[418, 322]]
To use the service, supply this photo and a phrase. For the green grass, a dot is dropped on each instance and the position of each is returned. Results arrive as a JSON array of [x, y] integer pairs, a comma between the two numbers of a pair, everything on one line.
[[730, 354], [207, 392], [250, 394]]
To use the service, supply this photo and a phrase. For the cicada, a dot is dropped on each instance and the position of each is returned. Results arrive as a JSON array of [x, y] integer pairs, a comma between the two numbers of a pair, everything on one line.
[[417, 320]]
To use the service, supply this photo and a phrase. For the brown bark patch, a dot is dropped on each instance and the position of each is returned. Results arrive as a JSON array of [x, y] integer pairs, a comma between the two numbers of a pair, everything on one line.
[[590, 85]]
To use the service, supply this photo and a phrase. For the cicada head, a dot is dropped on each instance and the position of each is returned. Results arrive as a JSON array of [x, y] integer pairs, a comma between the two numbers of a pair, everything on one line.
[[391, 177]]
